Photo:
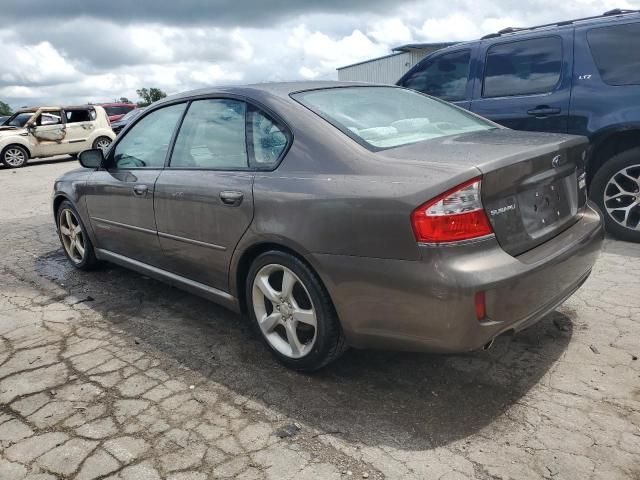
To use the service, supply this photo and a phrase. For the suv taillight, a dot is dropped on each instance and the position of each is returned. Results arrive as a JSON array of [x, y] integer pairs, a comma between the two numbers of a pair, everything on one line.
[[455, 215]]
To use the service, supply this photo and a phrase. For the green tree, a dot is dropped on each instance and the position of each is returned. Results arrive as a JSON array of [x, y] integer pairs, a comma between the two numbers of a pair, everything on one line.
[[149, 95], [124, 100], [5, 109]]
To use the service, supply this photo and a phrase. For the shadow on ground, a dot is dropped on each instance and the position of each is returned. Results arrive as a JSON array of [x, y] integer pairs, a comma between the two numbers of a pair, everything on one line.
[[412, 401]]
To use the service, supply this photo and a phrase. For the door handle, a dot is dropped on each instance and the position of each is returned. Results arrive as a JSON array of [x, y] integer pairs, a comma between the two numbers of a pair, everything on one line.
[[543, 111], [231, 199], [140, 190]]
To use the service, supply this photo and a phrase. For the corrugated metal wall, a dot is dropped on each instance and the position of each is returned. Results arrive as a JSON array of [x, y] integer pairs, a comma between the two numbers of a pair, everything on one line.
[[383, 70]]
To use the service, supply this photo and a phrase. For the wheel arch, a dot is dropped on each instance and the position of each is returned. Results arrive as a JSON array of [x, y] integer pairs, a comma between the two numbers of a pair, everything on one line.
[[57, 201], [244, 260], [608, 143], [19, 144]]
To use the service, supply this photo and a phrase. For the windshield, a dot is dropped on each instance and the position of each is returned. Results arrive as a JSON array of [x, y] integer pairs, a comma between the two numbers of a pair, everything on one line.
[[18, 120], [385, 117]]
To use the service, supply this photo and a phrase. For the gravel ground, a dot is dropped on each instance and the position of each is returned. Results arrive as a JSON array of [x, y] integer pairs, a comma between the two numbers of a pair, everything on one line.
[[110, 374]]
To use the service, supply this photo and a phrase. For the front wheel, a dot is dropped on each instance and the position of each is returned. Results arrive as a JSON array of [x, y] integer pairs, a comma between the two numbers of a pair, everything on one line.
[[15, 156], [292, 312], [73, 236], [616, 190], [102, 143]]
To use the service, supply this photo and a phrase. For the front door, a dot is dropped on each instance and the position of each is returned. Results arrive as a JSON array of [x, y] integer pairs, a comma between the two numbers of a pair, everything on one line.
[[203, 199], [48, 134], [526, 84], [120, 196]]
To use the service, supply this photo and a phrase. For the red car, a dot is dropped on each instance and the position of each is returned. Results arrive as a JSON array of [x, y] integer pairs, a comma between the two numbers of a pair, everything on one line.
[[115, 111]]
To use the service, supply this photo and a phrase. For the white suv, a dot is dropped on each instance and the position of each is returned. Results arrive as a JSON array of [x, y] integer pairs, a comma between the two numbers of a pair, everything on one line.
[[48, 131]]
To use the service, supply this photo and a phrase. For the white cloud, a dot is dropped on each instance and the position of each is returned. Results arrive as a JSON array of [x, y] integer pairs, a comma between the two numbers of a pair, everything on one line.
[[76, 60]]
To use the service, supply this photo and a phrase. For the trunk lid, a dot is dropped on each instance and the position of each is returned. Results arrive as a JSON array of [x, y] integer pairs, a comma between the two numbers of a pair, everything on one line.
[[531, 198], [530, 180]]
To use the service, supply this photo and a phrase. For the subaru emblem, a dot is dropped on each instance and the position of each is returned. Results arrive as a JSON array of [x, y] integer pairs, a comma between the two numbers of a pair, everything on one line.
[[555, 163]]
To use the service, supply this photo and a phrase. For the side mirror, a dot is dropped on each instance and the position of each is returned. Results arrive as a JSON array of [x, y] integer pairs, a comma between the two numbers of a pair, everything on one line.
[[91, 158]]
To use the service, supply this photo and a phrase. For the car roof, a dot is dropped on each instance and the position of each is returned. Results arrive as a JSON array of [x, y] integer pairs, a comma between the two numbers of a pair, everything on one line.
[[279, 89], [116, 104], [54, 109]]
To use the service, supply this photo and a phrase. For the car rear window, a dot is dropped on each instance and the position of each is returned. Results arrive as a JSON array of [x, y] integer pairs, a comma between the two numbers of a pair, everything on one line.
[[525, 67], [385, 117], [118, 109], [614, 53]]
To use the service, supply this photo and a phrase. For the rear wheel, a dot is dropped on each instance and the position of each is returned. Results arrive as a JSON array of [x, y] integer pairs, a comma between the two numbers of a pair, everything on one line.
[[102, 143], [73, 236], [616, 190], [15, 156], [292, 312]]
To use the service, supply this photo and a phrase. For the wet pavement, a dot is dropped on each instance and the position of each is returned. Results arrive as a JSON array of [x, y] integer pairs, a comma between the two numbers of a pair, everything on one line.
[[110, 374]]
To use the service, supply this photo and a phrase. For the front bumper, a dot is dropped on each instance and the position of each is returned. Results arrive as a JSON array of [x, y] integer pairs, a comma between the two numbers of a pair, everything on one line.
[[429, 305]]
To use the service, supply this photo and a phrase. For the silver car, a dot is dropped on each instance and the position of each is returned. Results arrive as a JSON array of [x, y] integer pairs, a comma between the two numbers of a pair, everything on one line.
[[338, 214]]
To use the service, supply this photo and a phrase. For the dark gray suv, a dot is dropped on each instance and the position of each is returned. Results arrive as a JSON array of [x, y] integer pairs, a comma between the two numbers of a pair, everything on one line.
[[340, 214]]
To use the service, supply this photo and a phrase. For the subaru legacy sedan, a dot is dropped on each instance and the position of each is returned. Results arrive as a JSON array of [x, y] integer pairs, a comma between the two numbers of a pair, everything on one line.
[[339, 214]]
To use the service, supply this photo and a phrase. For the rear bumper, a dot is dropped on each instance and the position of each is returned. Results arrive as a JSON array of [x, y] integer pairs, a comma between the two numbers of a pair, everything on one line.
[[429, 305]]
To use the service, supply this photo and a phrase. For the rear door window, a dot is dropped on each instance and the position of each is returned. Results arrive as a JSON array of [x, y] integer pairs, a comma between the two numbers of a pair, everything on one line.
[[615, 53], [444, 77], [525, 67]]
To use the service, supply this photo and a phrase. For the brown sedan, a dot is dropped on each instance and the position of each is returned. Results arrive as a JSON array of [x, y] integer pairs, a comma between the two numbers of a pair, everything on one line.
[[340, 214]]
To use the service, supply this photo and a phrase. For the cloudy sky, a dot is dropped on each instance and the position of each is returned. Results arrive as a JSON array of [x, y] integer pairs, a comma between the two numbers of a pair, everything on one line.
[[73, 51]]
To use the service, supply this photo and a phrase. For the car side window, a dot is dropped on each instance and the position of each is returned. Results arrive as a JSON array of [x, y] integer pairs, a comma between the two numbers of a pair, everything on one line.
[[145, 145], [212, 136], [49, 118], [77, 116], [611, 47], [525, 67], [444, 77], [268, 139]]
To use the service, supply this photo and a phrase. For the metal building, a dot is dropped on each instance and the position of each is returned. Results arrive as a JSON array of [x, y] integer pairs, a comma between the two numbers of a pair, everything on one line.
[[390, 68]]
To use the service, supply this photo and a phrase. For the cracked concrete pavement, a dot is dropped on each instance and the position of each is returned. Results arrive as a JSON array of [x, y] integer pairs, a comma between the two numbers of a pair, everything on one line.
[[109, 374]]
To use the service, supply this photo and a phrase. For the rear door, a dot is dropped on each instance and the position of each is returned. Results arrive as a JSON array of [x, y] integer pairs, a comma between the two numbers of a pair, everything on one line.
[[444, 75], [525, 83], [79, 128], [120, 197], [204, 198]]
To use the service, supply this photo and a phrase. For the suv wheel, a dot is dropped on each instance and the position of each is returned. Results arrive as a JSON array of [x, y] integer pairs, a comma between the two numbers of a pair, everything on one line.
[[616, 190], [15, 156], [292, 312], [73, 236]]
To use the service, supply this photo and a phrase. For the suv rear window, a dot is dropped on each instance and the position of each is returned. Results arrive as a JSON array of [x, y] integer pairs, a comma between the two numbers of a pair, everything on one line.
[[525, 67], [615, 53], [444, 77]]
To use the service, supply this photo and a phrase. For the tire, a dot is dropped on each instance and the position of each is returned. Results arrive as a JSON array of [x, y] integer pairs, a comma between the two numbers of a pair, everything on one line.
[[316, 346], [14, 156], [84, 259], [101, 140], [622, 169]]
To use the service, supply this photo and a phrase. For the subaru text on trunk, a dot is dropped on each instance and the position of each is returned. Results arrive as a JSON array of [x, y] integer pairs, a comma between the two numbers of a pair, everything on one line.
[[340, 215]]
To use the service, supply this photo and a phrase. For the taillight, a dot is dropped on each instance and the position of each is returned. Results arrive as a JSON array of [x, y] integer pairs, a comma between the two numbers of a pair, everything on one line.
[[455, 215]]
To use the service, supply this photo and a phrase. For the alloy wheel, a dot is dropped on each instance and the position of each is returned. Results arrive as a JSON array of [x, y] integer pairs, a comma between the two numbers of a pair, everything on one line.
[[14, 157], [284, 310], [103, 143], [622, 197], [72, 236]]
